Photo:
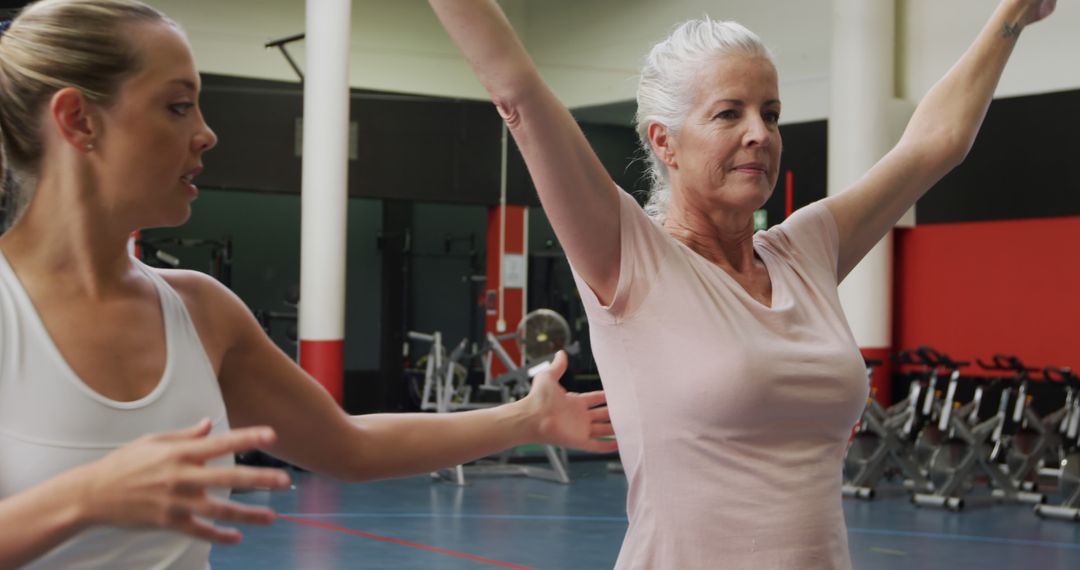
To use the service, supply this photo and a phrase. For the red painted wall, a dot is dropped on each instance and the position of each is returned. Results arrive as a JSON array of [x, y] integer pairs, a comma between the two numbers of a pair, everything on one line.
[[973, 289]]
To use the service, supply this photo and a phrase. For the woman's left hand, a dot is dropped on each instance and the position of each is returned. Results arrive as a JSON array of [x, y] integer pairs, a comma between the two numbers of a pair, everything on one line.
[[569, 419], [1037, 10]]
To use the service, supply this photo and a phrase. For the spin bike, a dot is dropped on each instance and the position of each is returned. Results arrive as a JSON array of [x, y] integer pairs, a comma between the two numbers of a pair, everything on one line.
[[966, 454], [1069, 473], [881, 445]]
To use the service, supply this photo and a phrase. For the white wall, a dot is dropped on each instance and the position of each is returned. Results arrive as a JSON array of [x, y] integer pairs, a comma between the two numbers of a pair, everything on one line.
[[397, 45], [935, 32], [589, 50]]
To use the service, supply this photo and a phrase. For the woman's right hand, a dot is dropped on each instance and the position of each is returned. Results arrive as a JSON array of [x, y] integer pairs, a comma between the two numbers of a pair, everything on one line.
[[162, 481]]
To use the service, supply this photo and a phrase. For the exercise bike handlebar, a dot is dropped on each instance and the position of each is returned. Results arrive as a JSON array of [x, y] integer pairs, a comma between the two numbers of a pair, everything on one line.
[[422, 337], [928, 355], [907, 357], [1005, 363], [1063, 375], [938, 359]]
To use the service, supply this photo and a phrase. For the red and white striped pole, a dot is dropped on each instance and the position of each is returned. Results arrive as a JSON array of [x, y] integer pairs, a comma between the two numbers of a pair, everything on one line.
[[325, 193]]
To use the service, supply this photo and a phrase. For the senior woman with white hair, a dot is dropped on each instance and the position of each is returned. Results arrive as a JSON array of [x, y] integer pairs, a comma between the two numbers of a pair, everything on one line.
[[732, 377]]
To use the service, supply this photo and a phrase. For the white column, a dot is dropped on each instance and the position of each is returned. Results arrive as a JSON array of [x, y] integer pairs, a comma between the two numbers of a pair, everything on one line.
[[325, 191], [862, 128]]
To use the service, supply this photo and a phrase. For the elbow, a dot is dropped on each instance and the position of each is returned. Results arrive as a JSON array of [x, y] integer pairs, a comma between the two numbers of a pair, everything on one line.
[[516, 100], [940, 150], [508, 108], [957, 151], [954, 145]]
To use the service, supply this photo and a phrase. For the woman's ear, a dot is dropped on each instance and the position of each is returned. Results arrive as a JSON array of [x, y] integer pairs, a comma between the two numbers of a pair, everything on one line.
[[70, 113], [662, 144]]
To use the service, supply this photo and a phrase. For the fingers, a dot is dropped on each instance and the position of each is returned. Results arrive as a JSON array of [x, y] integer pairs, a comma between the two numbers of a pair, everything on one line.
[[601, 414], [551, 374], [228, 511], [601, 430], [558, 365], [593, 399], [232, 442], [200, 429], [194, 518], [208, 532], [236, 478]]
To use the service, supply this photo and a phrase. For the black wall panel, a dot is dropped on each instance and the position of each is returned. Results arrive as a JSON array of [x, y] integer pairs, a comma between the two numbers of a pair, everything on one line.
[[1023, 165], [426, 150], [806, 156], [408, 148], [255, 124], [615, 146]]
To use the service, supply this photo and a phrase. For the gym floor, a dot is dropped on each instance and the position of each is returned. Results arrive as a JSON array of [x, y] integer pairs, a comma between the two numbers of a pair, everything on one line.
[[513, 522]]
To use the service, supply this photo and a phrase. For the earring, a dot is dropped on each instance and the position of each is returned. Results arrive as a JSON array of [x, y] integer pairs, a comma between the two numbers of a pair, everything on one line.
[[89, 147]]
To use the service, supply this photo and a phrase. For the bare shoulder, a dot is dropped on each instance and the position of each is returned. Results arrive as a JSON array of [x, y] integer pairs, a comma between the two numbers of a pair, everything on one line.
[[216, 312], [199, 290]]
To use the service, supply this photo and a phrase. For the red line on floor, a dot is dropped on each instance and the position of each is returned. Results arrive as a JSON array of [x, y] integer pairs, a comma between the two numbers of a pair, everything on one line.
[[328, 526]]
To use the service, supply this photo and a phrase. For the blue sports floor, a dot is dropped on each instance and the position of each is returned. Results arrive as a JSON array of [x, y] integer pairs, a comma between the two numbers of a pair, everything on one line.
[[513, 522]]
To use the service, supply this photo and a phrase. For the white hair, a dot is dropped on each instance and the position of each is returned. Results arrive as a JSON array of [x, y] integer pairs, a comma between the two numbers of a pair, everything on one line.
[[665, 88]]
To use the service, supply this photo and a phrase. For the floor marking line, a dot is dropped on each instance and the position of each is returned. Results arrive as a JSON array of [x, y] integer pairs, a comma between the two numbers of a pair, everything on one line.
[[399, 542]]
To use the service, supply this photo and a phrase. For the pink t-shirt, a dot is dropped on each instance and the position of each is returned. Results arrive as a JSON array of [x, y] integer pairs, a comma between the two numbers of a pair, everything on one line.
[[732, 417]]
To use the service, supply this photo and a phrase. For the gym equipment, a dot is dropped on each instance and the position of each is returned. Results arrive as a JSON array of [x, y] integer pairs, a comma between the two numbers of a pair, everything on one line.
[[925, 424], [541, 334], [882, 445], [518, 378], [444, 386], [966, 453], [154, 253], [280, 43], [1032, 441], [1069, 472]]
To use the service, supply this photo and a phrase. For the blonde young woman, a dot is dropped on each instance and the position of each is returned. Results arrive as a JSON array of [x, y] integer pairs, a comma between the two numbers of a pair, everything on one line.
[[732, 376], [125, 390]]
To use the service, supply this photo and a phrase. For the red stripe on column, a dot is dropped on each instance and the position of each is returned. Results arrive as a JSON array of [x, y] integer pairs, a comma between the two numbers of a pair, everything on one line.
[[881, 382], [512, 297], [325, 361], [789, 193]]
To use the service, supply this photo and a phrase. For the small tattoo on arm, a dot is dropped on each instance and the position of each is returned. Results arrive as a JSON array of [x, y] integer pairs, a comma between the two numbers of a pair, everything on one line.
[[1009, 31]]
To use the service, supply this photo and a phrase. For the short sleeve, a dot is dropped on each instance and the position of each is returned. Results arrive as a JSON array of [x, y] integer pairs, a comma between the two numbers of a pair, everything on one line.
[[644, 246], [808, 238]]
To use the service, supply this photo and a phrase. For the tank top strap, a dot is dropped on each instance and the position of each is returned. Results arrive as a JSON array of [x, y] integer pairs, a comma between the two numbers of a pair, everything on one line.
[[183, 337]]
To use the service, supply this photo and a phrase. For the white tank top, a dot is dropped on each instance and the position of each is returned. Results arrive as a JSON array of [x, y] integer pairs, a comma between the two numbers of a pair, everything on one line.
[[51, 421]]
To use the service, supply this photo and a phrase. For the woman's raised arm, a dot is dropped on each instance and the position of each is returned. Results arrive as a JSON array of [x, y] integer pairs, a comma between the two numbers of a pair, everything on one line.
[[578, 196]]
